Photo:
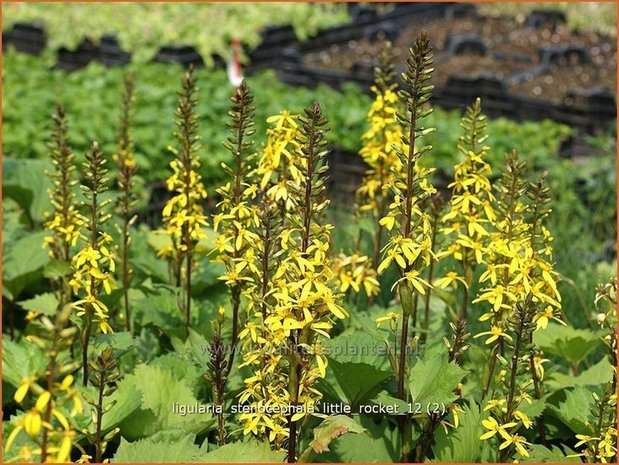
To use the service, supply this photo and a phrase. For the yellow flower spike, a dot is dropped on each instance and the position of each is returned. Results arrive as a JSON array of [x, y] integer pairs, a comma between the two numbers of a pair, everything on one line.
[[495, 403]]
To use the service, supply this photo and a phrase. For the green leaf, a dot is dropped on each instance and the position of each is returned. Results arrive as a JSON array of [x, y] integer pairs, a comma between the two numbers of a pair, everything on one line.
[[353, 383], [25, 182], [574, 410], [23, 260], [331, 428], [570, 343], [355, 347], [541, 454], [180, 367], [158, 450], [250, 451], [20, 360], [434, 381], [127, 399], [383, 398], [595, 375], [461, 444], [160, 390], [379, 444], [535, 408], [57, 269], [120, 341], [47, 304]]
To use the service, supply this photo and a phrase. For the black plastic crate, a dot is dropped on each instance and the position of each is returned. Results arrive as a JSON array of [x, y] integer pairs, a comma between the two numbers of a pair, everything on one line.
[[26, 37], [110, 52], [71, 60], [185, 55]]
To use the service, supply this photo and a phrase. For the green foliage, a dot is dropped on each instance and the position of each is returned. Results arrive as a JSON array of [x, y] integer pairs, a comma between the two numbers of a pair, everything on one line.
[[23, 262], [333, 427], [90, 96], [462, 445], [244, 452], [46, 303], [552, 454], [25, 182], [380, 444], [434, 380], [573, 410], [143, 27], [161, 449], [159, 390], [19, 360], [570, 343]]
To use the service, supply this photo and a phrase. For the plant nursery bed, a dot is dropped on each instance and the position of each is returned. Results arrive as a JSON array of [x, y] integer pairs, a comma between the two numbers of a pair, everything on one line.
[[555, 84], [528, 70]]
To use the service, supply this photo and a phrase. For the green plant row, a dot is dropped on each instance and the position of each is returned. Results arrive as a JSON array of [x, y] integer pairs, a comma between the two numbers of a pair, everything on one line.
[[145, 26], [30, 91]]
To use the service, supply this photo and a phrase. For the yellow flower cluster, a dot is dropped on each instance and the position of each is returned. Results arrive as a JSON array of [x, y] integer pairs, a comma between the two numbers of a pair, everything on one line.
[[600, 443], [183, 215], [94, 265], [470, 213], [277, 164], [410, 242], [59, 432], [355, 271], [293, 303], [93, 268], [519, 253], [379, 152], [234, 226], [64, 223], [48, 413]]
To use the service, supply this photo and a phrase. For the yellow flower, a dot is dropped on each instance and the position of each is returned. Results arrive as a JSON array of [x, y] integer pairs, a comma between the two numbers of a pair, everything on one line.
[[450, 278], [517, 441], [494, 333], [391, 316], [542, 319], [523, 417], [494, 427], [23, 388], [495, 403]]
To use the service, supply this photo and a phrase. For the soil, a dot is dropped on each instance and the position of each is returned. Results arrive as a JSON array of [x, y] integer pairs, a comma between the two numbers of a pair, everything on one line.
[[511, 48], [469, 65], [555, 84]]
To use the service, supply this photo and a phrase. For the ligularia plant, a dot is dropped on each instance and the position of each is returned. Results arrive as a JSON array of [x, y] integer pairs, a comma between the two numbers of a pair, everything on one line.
[[94, 264], [126, 181], [236, 219], [295, 302], [48, 405], [470, 212], [183, 215], [277, 164], [380, 150], [409, 245], [64, 223]]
